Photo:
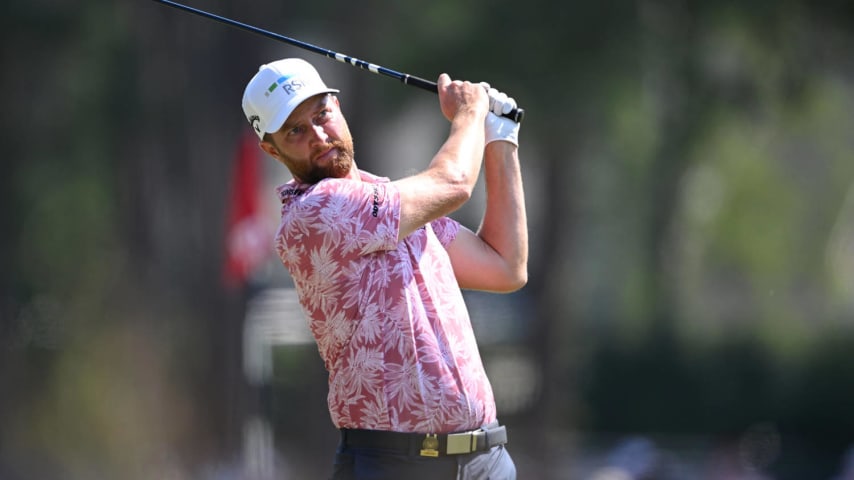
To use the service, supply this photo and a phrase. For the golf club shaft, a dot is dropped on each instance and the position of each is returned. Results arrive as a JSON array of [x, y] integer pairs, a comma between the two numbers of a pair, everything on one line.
[[516, 115]]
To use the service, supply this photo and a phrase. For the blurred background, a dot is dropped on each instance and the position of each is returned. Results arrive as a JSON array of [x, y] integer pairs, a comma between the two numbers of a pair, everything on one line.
[[689, 173]]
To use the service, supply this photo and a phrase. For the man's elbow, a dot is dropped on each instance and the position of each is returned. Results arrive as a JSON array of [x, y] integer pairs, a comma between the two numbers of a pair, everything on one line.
[[514, 281]]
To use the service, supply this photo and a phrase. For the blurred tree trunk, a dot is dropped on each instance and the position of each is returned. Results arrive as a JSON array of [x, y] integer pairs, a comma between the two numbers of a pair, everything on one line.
[[655, 51], [177, 176], [669, 49]]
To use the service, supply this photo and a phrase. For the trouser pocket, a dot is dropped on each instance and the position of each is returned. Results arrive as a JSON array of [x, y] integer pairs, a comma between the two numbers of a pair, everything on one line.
[[496, 464]]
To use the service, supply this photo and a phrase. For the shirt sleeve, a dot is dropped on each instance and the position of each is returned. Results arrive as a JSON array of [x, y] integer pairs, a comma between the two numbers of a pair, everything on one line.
[[446, 230]]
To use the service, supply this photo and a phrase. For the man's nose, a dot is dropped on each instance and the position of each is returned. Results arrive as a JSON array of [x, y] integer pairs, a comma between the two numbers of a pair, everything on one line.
[[319, 133]]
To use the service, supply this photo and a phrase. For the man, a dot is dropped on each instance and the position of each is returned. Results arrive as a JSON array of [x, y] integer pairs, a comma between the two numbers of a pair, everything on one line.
[[379, 266]]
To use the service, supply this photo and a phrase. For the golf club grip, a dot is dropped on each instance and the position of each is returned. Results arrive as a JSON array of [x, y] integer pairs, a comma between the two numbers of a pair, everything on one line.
[[517, 114]]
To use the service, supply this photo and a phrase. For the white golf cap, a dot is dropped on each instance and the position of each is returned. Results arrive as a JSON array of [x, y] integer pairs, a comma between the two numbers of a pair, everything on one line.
[[276, 90]]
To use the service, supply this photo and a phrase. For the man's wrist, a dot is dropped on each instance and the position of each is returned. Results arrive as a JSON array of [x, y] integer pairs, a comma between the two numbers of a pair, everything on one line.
[[501, 148]]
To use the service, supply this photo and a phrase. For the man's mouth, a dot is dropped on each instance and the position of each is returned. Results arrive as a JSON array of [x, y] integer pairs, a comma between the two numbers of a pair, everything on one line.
[[325, 155]]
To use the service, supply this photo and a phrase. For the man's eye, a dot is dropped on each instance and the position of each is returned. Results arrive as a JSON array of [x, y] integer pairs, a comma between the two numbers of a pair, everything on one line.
[[295, 131], [322, 115]]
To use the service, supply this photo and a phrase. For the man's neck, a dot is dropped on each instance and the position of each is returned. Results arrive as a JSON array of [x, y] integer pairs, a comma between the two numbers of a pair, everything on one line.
[[354, 174]]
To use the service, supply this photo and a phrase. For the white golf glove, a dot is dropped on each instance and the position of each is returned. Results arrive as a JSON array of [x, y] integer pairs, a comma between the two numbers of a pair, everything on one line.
[[498, 127]]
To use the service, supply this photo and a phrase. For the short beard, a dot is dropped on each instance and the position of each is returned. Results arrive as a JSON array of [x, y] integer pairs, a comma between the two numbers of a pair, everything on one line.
[[340, 168]]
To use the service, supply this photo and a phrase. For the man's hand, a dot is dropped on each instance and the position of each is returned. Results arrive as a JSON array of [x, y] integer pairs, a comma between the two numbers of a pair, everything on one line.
[[457, 97], [499, 128]]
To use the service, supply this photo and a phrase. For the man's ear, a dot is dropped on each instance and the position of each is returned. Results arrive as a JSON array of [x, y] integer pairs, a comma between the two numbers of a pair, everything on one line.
[[269, 148]]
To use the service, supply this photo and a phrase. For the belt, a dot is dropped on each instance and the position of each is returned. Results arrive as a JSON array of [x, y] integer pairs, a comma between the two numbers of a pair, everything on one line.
[[427, 444]]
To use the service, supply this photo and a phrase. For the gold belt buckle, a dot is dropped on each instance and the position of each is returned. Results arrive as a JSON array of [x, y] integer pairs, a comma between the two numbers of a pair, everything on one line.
[[459, 443], [430, 446]]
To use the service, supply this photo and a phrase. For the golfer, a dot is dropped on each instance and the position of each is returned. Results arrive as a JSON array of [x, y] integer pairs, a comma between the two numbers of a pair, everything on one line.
[[379, 265]]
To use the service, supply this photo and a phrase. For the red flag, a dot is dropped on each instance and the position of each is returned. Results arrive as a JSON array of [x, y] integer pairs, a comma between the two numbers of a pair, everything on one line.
[[248, 237]]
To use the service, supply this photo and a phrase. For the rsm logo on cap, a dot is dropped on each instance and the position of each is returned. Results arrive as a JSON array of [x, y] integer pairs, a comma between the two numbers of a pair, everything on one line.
[[289, 84]]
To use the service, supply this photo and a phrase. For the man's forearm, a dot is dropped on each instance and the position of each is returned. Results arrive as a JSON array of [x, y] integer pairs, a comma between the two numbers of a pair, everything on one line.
[[505, 224]]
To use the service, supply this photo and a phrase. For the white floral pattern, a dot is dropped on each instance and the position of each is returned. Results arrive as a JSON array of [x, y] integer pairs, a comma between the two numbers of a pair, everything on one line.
[[388, 317]]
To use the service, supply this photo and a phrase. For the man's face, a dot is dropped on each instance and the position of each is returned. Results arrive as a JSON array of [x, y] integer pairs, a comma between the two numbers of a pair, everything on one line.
[[315, 142]]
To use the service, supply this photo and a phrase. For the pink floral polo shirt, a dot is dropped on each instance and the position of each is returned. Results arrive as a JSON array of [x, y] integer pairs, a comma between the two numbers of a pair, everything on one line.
[[388, 316]]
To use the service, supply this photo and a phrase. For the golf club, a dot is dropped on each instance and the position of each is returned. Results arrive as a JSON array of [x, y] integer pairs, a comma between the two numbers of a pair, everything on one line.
[[516, 115]]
